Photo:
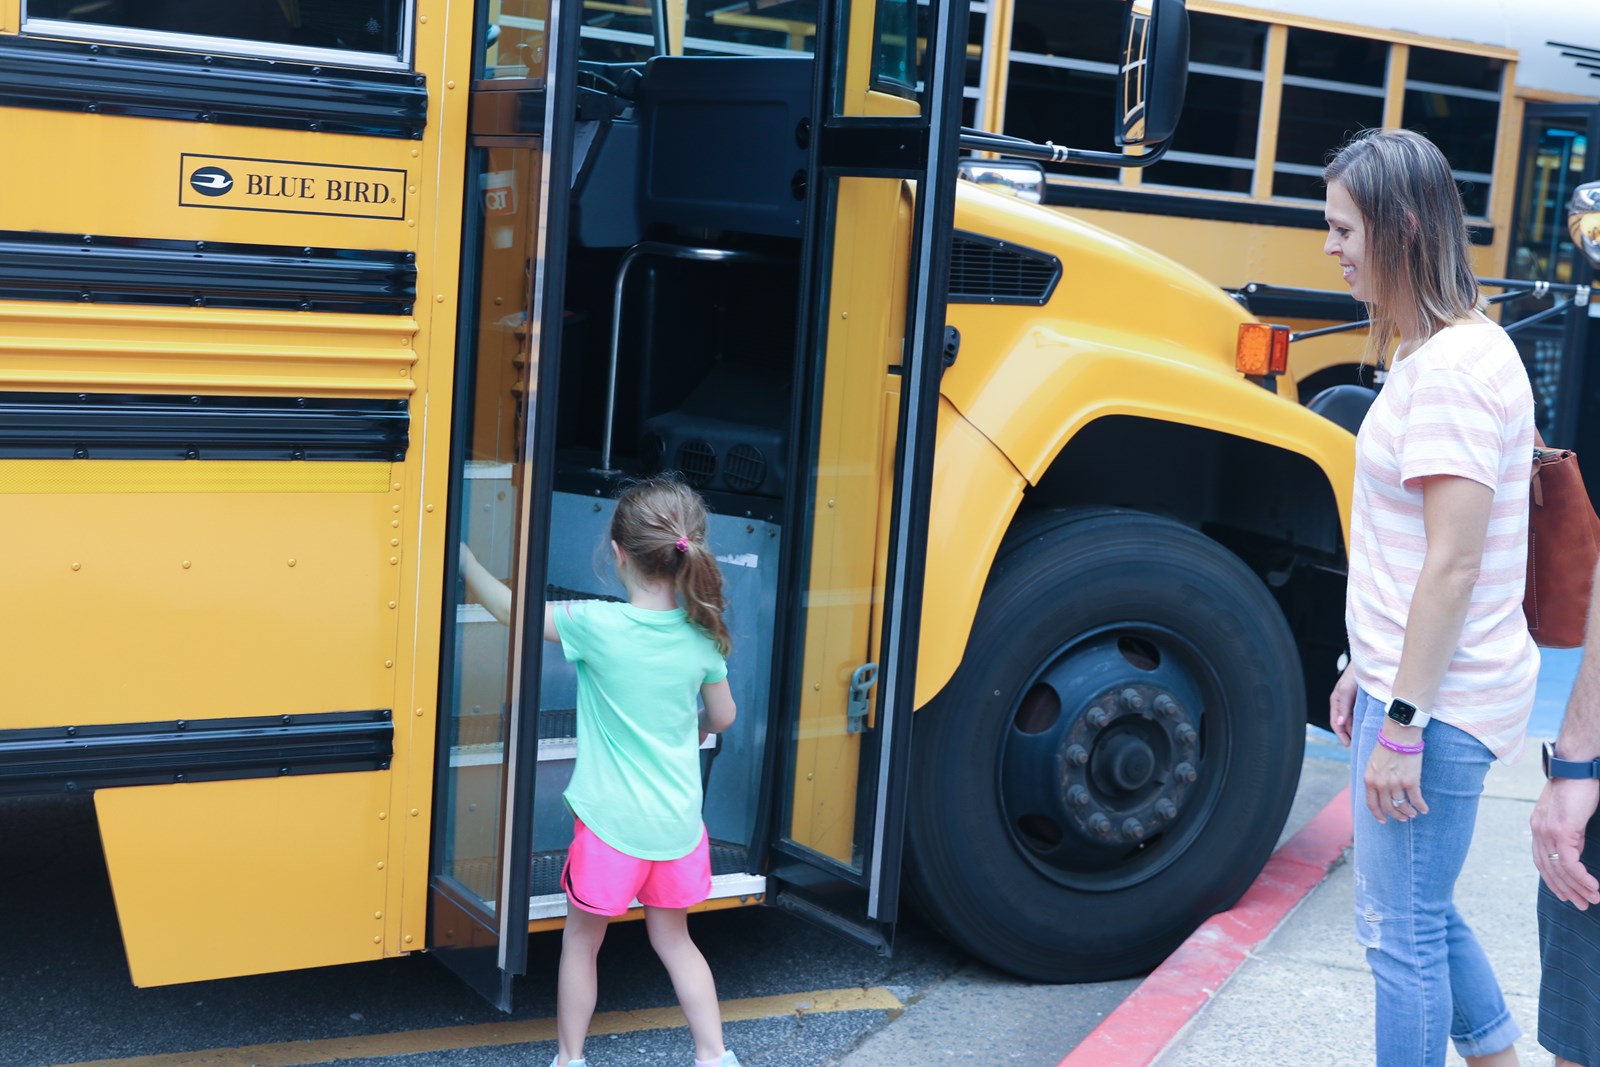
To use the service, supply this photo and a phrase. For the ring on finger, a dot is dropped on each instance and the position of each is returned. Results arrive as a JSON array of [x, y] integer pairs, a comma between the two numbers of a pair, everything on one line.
[[1397, 801]]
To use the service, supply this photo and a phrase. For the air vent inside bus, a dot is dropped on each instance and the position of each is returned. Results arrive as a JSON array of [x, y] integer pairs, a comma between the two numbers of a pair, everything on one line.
[[731, 434], [986, 271]]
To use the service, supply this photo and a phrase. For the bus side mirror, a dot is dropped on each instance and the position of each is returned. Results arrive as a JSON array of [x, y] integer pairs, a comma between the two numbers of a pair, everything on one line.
[[1583, 220], [1153, 72]]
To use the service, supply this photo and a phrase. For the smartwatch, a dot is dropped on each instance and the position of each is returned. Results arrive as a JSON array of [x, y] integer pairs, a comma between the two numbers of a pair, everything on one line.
[[1408, 714], [1556, 767]]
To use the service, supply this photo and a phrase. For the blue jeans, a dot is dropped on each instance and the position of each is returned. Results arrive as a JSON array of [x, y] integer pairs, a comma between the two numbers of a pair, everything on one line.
[[1432, 976]]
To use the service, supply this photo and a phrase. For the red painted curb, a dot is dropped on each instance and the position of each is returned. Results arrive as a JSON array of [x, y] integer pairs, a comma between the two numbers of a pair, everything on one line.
[[1143, 1025]]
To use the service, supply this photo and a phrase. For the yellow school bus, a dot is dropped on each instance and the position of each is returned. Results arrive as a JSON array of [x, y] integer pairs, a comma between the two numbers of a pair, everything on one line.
[[298, 297]]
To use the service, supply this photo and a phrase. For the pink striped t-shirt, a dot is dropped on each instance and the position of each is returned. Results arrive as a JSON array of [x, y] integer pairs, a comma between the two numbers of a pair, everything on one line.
[[1459, 405]]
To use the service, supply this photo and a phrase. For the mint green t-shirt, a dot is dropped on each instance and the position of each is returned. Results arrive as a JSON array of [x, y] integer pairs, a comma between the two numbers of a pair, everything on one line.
[[637, 779]]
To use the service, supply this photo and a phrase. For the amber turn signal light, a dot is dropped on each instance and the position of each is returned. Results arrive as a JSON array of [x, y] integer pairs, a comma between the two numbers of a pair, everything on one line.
[[1263, 349]]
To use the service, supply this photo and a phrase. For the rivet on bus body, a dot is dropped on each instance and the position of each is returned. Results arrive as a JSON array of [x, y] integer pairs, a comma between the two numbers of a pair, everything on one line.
[[394, 542], [809, 776], [377, 940], [396, 487], [380, 865], [419, 712], [429, 508], [382, 816], [817, 686], [830, 501], [408, 939], [395, 508], [185, 564], [291, 563], [411, 222], [439, 299], [388, 663], [844, 314], [415, 152], [377, 915], [77, 566], [394, 522], [449, 85], [392, 605], [414, 812], [422, 18]]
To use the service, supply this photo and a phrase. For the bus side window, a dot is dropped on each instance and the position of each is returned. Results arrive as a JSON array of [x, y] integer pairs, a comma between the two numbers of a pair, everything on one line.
[[362, 26]]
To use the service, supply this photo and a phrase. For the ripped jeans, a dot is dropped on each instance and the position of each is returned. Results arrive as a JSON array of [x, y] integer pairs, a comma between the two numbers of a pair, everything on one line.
[[1432, 976]]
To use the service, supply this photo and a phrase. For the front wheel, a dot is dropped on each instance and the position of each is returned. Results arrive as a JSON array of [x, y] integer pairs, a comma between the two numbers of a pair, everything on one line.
[[1115, 757]]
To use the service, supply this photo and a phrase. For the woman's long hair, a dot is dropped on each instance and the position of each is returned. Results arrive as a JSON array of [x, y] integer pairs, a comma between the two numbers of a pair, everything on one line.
[[661, 524], [1416, 232]]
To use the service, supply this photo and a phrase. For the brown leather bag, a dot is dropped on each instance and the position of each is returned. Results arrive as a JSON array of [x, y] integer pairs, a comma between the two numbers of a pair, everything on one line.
[[1563, 545]]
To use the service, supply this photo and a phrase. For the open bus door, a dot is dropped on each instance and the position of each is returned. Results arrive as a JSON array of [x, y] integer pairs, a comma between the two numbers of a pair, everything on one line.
[[876, 261], [520, 134]]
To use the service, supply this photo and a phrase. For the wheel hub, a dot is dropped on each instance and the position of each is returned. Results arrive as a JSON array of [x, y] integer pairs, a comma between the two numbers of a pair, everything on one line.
[[1102, 758]]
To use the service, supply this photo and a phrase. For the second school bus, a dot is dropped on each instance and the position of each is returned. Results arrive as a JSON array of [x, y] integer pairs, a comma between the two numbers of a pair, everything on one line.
[[296, 299]]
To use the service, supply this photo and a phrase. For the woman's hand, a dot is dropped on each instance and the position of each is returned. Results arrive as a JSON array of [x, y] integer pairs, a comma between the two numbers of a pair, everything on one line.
[[1394, 780], [1342, 705]]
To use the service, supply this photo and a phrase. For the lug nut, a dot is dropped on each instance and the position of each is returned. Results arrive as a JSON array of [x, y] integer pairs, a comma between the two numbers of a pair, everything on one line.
[[1165, 705], [1098, 717], [1077, 755], [1100, 824], [1078, 796], [1186, 734], [1131, 699], [1133, 828], [1166, 809], [1185, 772]]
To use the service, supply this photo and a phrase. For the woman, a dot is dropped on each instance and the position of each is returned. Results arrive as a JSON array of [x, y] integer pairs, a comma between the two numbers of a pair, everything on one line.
[[1442, 669]]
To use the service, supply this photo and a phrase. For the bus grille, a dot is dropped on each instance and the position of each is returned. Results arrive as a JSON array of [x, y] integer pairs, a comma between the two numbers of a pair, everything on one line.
[[986, 271]]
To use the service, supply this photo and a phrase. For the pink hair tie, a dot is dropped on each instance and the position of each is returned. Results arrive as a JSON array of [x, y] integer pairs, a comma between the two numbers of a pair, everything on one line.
[[682, 544]]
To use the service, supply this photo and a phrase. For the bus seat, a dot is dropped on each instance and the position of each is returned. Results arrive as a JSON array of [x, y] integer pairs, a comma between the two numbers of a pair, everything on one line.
[[1345, 405]]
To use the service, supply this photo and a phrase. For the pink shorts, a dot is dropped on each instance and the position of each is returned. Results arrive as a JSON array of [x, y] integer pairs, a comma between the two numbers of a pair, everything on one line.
[[601, 880]]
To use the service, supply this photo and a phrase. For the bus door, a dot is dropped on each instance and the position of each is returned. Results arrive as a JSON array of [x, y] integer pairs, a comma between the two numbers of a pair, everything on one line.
[[1558, 154], [492, 648], [872, 337]]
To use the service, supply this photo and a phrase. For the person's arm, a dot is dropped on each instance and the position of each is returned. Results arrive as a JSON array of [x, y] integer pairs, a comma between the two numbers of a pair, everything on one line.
[[1567, 804], [1455, 518], [719, 711], [484, 587]]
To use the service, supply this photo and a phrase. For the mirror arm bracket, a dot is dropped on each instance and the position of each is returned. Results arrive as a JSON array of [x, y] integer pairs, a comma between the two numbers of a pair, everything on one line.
[[1050, 152]]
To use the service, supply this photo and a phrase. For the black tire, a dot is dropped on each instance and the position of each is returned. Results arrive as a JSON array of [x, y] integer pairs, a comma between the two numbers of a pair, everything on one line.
[[1148, 647]]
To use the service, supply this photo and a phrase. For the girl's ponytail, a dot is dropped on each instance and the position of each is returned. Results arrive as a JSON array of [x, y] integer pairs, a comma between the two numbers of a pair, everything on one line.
[[660, 524], [699, 583]]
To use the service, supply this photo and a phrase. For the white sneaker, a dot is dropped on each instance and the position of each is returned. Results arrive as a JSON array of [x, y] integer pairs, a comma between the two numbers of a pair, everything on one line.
[[570, 1063]]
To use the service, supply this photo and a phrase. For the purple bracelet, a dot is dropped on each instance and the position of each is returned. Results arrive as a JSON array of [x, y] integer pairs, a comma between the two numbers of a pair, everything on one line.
[[1395, 746]]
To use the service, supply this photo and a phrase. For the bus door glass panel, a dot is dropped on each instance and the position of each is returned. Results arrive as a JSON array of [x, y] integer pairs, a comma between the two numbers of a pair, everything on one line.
[[839, 835], [1557, 155], [478, 889]]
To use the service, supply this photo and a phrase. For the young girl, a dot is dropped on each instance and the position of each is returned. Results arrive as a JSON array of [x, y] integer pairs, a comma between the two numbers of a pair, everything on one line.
[[635, 794], [1442, 669]]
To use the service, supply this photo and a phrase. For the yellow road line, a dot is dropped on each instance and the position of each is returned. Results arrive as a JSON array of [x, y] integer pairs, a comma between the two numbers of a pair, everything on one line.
[[485, 1035]]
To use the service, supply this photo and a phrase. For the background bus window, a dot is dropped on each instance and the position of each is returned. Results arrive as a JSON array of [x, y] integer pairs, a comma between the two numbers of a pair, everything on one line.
[[375, 27], [1063, 76], [516, 47], [750, 27], [1455, 100], [1215, 147], [1333, 86]]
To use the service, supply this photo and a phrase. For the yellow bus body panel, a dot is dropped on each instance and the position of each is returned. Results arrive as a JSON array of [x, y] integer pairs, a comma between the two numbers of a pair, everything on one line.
[[1028, 383], [220, 879], [198, 604]]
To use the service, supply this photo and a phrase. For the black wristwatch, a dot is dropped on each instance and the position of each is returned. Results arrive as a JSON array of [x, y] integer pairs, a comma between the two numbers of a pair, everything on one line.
[[1556, 767], [1408, 714]]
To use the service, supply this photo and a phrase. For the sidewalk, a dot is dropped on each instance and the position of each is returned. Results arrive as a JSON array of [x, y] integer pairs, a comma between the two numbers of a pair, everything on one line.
[[1281, 979]]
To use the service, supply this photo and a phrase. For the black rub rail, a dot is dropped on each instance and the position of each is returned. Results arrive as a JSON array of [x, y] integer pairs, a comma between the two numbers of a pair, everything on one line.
[[96, 268], [68, 759], [37, 72], [155, 426]]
